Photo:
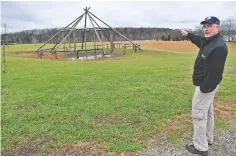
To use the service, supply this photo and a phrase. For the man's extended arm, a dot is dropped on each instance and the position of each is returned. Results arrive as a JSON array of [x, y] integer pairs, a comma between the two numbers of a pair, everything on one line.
[[195, 39]]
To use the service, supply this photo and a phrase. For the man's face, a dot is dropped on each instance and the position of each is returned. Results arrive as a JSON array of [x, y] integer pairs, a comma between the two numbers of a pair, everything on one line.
[[210, 29]]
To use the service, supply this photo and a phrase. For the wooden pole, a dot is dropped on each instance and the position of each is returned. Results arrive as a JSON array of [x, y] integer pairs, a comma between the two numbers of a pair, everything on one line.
[[84, 35], [55, 54], [111, 37], [94, 43], [69, 42], [3, 58], [124, 47], [114, 30], [40, 54], [135, 48], [67, 34], [62, 36], [74, 41], [100, 28], [102, 34], [60, 31], [97, 35], [85, 39]]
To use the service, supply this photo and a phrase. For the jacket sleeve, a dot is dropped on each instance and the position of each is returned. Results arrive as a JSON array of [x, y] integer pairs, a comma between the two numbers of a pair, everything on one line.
[[195, 39], [217, 60]]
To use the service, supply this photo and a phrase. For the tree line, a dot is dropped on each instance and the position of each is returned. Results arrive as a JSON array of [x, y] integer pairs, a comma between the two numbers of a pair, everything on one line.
[[228, 30]]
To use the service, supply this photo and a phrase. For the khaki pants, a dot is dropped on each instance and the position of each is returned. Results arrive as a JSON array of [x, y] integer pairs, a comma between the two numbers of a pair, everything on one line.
[[203, 118]]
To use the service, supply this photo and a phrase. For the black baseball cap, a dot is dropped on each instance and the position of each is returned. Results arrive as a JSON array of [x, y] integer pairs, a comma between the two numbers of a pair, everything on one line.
[[211, 20]]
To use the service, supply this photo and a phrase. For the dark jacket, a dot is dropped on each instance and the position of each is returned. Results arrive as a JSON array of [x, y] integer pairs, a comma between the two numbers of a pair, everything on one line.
[[210, 62]]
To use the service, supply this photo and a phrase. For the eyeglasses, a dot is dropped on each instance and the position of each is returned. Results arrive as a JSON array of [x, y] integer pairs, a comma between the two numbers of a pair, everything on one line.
[[209, 26]]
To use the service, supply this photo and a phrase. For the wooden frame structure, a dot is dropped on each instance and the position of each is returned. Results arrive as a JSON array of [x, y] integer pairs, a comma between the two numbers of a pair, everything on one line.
[[3, 43], [70, 30]]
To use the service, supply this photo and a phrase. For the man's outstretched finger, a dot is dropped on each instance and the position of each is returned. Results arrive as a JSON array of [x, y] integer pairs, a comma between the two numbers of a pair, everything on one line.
[[185, 33]]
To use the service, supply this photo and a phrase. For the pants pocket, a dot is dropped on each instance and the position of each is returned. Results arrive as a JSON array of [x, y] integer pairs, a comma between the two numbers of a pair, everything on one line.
[[198, 114]]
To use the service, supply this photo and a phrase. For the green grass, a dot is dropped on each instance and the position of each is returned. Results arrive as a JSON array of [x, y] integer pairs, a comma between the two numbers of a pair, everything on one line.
[[222, 124], [120, 102], [34, 47]]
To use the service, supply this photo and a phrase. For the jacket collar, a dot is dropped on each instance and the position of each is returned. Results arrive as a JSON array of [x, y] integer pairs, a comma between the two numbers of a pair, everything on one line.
[[207, 39]]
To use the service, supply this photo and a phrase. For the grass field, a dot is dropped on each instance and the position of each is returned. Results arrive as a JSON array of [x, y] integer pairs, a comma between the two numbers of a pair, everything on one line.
[[119, 102]]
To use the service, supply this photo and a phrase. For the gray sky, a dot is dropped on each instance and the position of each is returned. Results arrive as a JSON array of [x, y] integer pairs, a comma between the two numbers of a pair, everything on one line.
[[42, 14]]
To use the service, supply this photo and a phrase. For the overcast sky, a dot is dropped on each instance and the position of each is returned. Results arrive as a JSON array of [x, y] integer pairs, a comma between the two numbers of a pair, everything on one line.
[[36, 15]]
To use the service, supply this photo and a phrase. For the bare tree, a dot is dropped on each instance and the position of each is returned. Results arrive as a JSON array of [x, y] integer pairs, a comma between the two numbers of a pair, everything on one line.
[[234, 31], [228, 28], [33, 40], [198, 30]]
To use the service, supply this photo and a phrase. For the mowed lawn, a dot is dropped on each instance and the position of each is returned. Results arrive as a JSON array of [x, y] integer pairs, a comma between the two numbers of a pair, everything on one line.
[[121, 102]]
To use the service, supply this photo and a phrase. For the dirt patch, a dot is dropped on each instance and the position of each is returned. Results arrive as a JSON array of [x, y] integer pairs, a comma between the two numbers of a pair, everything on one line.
[[178, 122], [181, 122], [175, 46], [65, 56], [81, 149], [31, 146], [225, 109], [178, 46], [224, 144], [46, 55], [231, 48], [91, 149]]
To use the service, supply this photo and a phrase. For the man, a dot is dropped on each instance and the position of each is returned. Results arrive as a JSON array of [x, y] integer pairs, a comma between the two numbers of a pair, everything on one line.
[[207, 74]]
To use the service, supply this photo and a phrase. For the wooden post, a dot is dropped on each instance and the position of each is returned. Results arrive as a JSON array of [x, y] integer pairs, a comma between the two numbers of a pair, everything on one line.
[[62, 36], [79, 18], [3, 58], [74, 42], [55, 55], [101, 34], [67, 34], [124, 48], [94, 42], [111, 43], [135, 48], [40, 54], [69, 43], [100, 29], [84, 36], [103, 52], [112, 28]]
